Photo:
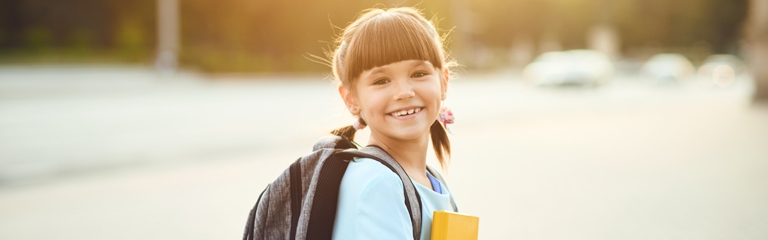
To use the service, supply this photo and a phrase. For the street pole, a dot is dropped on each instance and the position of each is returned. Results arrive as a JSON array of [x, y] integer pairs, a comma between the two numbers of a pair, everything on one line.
[[167, 35], [757, 48]]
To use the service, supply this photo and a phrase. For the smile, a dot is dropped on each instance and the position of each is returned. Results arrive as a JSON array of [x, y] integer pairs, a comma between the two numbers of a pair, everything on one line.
[[406, 112]]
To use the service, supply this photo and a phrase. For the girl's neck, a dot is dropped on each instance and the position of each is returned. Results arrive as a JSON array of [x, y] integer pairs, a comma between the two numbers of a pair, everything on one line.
[[410, 154]]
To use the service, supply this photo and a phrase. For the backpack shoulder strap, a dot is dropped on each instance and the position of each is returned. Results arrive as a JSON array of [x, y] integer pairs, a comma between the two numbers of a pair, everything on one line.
[[316, 213], [412, 198], [437, 175]]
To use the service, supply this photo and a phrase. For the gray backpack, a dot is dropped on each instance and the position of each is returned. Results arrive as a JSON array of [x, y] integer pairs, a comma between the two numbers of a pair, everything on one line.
[[301, 203]]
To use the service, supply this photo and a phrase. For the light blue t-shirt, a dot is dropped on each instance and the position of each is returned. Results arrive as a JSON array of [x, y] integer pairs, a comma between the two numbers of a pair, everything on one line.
[[372, 204]]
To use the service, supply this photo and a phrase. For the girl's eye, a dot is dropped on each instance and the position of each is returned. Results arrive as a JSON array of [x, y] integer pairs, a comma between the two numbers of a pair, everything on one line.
[[381, 81], [419, 74]]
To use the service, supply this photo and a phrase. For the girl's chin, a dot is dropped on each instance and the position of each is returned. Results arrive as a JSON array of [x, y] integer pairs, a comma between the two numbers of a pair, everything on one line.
[[410, 129], [409, 133]]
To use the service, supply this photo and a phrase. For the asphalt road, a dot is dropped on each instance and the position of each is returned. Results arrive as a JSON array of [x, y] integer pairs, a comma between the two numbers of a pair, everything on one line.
[[124, 153]]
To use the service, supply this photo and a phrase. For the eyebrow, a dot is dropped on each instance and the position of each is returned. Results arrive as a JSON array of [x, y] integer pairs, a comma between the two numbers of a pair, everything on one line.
[[415, 64], [380, 69]]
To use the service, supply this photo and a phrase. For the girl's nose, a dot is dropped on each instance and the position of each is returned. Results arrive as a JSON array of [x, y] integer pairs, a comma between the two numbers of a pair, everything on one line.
[[404, 90]]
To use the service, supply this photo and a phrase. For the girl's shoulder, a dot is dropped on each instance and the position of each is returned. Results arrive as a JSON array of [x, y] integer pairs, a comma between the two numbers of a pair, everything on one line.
[[364, 174], [369, 166]]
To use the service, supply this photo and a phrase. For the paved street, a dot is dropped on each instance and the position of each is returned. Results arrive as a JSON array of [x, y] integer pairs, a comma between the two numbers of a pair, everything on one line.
[[123, 153]]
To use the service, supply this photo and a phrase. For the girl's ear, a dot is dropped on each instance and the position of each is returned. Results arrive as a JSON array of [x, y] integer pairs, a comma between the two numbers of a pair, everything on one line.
[[349, 99], [444, 83]]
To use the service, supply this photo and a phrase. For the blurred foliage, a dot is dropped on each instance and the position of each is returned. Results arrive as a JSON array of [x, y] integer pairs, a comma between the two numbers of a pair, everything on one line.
[[80, 41], [276, 36], [130, 39], [37, 39], [43, 31]]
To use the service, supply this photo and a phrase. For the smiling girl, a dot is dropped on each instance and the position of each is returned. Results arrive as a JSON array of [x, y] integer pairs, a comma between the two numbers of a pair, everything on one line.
[[393, 75]]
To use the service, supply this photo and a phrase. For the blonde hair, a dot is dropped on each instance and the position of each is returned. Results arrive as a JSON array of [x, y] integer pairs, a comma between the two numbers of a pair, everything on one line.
[[382, 36]]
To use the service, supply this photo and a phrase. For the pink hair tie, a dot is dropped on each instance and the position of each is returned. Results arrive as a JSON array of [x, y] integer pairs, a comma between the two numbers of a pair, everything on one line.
[[358, 124], [446, 117]]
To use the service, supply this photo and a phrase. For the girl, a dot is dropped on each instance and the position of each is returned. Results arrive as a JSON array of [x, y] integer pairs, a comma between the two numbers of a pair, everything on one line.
[[394, 77]]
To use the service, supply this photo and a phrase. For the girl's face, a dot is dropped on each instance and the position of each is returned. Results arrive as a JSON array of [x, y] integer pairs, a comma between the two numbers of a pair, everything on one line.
[[400, 100]]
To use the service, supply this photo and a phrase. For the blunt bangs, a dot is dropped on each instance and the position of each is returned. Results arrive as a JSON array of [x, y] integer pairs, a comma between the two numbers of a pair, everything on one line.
[[389, 37]]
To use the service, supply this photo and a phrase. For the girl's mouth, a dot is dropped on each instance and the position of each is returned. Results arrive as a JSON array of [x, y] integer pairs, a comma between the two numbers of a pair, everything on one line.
[[406, 112]]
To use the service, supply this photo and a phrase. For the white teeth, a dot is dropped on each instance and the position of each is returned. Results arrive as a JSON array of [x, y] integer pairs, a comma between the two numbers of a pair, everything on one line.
[[406, 112]]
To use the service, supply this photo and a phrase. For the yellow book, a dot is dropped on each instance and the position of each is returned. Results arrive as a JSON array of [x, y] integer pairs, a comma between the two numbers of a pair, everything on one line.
[[454, 226]]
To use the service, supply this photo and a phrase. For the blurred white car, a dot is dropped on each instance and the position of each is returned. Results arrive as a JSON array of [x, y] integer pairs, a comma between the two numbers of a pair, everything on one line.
[[668, 68], [720, 70], [573, 67]]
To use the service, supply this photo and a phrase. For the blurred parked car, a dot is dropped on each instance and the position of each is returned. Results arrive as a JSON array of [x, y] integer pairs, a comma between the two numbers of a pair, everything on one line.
[[668, 68], [573, 67], [720, 70]]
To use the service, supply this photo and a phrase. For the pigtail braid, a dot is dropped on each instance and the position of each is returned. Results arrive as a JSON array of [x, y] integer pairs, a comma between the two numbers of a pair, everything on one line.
[[349, 131], [346, 131], [440, 143]]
